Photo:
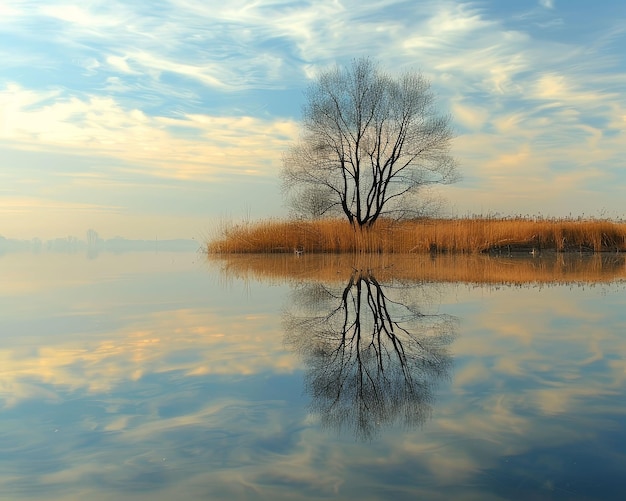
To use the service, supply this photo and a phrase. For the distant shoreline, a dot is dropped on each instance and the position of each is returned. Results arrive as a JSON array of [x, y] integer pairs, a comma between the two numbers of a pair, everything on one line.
[[478, 235], [113, 245]]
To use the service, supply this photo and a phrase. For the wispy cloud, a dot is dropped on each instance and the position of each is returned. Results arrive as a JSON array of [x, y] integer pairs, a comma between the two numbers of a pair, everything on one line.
[[192, 146], [13, 205], [197, 90]]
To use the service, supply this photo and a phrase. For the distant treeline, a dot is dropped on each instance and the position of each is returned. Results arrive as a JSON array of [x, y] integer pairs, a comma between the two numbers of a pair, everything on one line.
[[463, 235]]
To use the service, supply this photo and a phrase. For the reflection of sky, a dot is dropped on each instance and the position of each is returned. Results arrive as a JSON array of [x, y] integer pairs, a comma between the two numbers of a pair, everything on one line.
[[148, 376]]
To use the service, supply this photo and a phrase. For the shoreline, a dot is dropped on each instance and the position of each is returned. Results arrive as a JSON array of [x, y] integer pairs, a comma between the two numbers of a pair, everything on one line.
[[423, 236]]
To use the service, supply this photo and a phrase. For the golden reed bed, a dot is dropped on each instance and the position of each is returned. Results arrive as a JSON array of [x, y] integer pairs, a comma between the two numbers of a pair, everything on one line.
[[475, 268], [469, 236]]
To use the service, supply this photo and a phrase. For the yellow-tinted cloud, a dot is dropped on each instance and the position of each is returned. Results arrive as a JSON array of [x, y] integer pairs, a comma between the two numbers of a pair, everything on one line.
[[559, 88], [159, 146], [472, 117], [14, 205], [202, 342]]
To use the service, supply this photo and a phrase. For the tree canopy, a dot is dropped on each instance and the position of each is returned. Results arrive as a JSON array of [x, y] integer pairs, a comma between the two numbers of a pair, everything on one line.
[[369, 145]]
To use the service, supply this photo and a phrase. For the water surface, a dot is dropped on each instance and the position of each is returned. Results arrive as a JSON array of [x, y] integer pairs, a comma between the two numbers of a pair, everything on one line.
[[164, 375]]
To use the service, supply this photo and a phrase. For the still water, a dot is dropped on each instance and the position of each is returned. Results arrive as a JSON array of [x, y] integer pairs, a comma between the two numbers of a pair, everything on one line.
[[163, 376]]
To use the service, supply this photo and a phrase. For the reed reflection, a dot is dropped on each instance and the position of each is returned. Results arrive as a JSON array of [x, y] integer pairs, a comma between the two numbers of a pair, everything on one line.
[[374, 356], [374, 351]]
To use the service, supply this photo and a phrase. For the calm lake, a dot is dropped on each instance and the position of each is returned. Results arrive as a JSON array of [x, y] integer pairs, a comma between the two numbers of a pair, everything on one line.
[[160, 376]]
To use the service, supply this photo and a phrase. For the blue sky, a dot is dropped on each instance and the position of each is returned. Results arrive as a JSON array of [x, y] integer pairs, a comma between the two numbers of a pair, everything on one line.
[[159, 119]]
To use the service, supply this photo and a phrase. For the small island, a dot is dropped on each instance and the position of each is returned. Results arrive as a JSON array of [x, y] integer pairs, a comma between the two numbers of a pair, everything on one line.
[[425, 235], [358, 181]]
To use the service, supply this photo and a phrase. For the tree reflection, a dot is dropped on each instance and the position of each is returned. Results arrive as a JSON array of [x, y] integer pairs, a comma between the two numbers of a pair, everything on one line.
[[374, 357]]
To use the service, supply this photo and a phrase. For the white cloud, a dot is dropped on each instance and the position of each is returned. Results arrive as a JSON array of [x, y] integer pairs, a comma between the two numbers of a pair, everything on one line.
[[82, 17], [472, 117], [560, 99], [456, 19], [151, 62], [120, 64], [7, 11], [558, 88], [101, 126]]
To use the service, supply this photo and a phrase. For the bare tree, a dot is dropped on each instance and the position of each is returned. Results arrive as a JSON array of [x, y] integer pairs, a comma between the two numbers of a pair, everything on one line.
[[369, 146]]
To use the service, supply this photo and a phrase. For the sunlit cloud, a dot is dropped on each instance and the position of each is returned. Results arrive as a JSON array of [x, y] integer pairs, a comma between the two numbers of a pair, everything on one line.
[[120, 64], [8, 11], [151, 63], [211, 91], [79, 16], [237, 145], [471, 117]]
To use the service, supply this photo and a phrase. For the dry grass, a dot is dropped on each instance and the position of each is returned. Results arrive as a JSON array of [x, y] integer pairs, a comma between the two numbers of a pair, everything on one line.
[[474, 269], [466, 235]]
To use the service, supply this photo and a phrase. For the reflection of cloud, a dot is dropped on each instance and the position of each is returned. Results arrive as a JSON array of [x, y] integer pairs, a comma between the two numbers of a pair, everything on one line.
[[85, 336], [530, 356], [193, 343], [566, 397], [155, 426], [470, 374]]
